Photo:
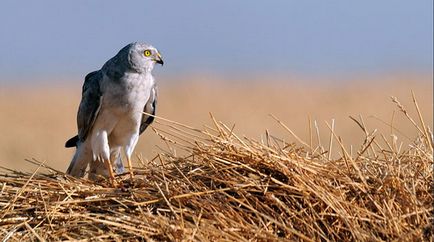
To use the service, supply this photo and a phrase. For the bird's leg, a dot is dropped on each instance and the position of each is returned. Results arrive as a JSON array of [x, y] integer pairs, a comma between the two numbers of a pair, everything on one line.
[[129, 151], [111, 174], [130, 167]]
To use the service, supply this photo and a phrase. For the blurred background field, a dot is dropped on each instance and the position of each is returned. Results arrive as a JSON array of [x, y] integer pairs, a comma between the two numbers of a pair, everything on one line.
[[37, 120]]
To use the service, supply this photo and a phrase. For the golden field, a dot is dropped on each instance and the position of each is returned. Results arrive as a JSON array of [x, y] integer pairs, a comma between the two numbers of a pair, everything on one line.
[[35, 121]]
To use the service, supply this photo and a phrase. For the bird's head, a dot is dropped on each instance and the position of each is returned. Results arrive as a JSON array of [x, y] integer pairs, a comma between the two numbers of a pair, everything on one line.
[[142, 57]]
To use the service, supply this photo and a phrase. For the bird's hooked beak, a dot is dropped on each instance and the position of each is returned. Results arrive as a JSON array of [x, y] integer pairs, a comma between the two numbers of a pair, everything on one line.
[[159, 59]]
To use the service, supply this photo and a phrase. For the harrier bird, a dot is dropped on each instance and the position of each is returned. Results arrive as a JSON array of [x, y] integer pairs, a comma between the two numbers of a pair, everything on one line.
[[113, 111]]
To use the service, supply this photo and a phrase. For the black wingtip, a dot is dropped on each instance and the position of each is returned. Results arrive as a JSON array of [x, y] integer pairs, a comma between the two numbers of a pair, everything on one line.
[[72, 142]]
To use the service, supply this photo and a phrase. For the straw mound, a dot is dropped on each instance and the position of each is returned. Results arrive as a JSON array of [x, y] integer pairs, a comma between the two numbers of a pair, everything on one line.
[[228, 188]]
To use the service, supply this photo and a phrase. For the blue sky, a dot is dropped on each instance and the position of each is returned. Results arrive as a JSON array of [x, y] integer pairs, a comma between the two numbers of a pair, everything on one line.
[[312, 37]]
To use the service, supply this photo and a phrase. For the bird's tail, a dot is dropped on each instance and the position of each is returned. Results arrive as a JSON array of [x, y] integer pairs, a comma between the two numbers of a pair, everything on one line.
[[79, 162], [98, 169], [72, 142]]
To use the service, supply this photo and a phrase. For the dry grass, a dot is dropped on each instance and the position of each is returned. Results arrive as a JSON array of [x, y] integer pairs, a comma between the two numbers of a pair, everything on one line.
[[231, 188]]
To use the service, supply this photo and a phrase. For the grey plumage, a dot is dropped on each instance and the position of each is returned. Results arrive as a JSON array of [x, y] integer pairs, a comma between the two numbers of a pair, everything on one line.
[[110, 116]]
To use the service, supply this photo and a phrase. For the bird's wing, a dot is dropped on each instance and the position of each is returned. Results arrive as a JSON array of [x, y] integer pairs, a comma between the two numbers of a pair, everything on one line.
[[89, 107], [90, 104], [150, 108]]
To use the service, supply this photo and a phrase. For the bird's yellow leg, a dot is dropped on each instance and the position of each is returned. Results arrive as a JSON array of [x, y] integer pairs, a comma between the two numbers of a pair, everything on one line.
[[111, 174], [130, 167]]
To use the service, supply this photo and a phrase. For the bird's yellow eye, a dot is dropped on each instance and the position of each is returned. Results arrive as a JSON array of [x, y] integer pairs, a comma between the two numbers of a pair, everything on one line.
[[147, 53]]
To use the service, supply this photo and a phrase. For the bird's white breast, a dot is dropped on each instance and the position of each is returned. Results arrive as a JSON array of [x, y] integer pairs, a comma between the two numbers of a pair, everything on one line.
[[129, 94], [123, 102]]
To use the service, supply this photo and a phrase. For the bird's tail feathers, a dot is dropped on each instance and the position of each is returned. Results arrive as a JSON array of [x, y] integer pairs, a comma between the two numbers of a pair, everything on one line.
[[79, 162], [72, 142]]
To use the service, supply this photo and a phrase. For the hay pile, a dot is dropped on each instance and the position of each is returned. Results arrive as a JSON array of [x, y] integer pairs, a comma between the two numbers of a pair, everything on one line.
[[224, 187]]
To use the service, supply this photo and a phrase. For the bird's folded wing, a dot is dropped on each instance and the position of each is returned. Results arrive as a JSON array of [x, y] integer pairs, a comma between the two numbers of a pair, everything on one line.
[[150, 108], [90, 104]]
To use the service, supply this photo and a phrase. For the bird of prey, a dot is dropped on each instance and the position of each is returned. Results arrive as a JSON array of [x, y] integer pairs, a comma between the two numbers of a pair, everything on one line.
[[113, 111]]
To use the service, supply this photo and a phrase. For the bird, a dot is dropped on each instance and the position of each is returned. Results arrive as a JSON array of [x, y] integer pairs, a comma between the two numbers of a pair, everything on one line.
[[118, 103]]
